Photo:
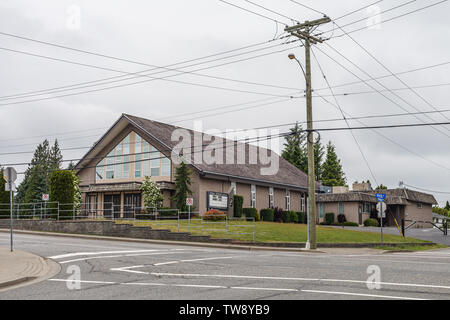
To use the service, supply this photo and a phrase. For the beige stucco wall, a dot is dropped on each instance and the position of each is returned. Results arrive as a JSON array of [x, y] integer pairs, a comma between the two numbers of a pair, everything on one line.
[[350, 211], [412, 212]]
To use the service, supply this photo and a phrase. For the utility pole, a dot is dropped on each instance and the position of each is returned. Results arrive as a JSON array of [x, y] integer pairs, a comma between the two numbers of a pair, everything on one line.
[[303, 31]]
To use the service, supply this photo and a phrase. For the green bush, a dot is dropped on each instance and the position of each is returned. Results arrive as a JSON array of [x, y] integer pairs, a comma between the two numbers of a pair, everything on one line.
[[238, 201], [371, 223], [302, 217], [62, 191], [293, 216], [267, 214], [329, 218], [286, 216], [168, 212], [351, 224], [251, 213]]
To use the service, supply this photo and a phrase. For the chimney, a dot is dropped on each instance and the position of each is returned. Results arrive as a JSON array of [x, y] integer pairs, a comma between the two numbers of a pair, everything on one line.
[[363, 186]]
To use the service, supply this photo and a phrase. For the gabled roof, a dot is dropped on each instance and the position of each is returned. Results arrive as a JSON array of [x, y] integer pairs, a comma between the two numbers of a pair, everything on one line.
[[288, 176], [393, 196]]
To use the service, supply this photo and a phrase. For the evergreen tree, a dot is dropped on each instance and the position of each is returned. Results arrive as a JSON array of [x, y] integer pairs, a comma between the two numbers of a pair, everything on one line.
[[447, 206], [36, 180], [332, 173], [295, 150], [318, 158], [182, 186], [381, 187]]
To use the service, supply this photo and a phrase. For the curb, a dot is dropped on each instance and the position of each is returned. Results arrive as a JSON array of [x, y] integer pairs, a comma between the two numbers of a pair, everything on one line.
[[193, 244], [15, 282]]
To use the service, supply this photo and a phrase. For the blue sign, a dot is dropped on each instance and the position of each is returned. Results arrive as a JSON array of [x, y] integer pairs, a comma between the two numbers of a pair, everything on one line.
[[380, 197]]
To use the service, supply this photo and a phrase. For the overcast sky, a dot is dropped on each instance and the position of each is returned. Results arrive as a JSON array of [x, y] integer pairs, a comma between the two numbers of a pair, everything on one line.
[[167, 32]]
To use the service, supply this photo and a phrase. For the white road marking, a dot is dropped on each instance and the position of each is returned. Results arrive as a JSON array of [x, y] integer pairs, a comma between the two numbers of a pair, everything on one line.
[[77, 254], [268, 289], [164, 263], [362, 295], [126, 269], [295, 279], [82, 281], [199, 286], [125, 255]]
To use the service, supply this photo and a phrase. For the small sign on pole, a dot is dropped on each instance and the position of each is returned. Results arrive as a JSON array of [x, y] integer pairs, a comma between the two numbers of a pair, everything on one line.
[[45, 197], [10, 177], [189, 203], [381, 208]]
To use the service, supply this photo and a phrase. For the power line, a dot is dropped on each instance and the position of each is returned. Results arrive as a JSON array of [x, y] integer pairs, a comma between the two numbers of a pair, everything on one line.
[[308, 7], [345, 119], [373, 88], [387, 69], [270, 10], [140, 73], [396, 17], [357, 10], [155, 78], [253, 12], [423, 189]]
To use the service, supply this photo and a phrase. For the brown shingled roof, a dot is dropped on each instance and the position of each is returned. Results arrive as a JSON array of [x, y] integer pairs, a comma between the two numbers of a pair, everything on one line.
[[288, 175]]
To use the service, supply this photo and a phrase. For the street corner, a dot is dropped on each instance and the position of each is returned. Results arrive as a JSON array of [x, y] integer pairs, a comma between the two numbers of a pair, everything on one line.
[[19, 268]]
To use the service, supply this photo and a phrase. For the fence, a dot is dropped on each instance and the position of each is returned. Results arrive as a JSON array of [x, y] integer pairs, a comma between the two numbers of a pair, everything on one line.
[[443, 228], [172, 219]]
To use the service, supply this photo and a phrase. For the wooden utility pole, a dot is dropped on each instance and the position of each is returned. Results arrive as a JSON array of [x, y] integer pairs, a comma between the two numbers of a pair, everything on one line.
[[302, 31]]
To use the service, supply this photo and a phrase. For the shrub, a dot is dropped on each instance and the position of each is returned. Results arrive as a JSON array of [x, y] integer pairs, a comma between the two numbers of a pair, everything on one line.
[[329, 218], [237, 206], [267, 214], [351, 224], [168, 212], [371, 223], [250, 213], [341, 218], [286, 217], [293, 216], [278, 215], [302, 217], [214, 215]]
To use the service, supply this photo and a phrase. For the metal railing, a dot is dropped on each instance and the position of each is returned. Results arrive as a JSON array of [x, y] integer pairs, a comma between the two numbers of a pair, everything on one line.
[[172, 219]]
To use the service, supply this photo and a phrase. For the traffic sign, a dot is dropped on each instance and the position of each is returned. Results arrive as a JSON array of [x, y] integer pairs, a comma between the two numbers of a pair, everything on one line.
[[380, 197], [10, 175], [189, 201], [45, 197], [381, 208]]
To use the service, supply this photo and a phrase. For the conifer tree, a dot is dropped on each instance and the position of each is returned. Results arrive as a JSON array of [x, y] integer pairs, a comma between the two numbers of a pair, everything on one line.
[[318, 158], [332, 174], [295, 148], [182, 186]]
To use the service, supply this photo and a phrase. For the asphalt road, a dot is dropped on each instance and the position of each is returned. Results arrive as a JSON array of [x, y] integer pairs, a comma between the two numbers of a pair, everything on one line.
[[124, 270]]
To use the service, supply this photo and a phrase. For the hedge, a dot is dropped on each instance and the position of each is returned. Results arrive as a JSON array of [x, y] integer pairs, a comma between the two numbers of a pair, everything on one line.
[[329, 218], [302, 218], [238, 201], [251, 213], [278, 215], [341, 218], [371, 223], [267, 214], [293, 216]]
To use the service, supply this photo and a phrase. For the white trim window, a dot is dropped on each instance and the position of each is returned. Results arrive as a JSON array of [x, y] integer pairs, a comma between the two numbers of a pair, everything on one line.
[[303, 203], [233, 188], [271, 197], [288, 200], [253, 196], [341, 208]]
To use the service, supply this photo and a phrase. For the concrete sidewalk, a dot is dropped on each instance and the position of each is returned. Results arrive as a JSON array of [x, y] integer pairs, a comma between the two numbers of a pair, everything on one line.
[[20, 268]]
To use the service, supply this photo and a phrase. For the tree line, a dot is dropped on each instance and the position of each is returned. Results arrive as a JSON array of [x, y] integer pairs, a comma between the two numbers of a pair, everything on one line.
[[328, 167]]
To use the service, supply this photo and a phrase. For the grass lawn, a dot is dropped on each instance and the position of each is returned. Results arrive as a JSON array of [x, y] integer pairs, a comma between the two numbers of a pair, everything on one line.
[[407, 248], [271, 231]]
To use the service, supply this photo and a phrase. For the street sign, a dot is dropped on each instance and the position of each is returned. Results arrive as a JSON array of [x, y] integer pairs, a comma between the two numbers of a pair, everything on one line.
[[189, 201], [10, 174], [380, 197], [45, 197], [10, 186], [381, 208]]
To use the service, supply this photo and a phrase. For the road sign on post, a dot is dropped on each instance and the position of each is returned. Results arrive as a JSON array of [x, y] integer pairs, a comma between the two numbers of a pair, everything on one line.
[[381, 208], [45, 197], [189, 203], [10, 177]]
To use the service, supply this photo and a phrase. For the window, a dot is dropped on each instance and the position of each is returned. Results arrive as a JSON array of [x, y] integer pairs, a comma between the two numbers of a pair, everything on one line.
[[303, 203], [166, 166], [321, 210], [233, 188], [155, 162], [148, 161], [340, 208], [419, 205], [253, 196], [288, 200], [270, 197], [367, 207]]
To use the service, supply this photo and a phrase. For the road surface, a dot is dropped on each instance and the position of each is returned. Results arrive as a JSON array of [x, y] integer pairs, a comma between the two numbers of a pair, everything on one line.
[[100, 269]]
